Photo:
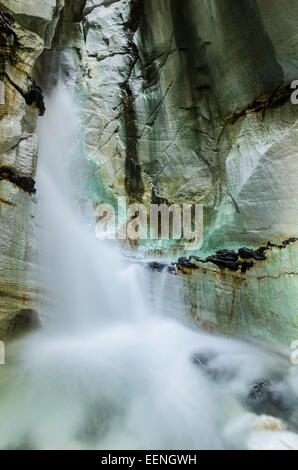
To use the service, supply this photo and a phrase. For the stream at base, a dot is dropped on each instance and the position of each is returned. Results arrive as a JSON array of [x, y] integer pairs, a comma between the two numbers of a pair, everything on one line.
[[107, 370]]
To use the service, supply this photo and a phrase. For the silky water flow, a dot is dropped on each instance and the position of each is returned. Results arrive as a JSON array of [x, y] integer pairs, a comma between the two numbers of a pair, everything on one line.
[[107, 369]]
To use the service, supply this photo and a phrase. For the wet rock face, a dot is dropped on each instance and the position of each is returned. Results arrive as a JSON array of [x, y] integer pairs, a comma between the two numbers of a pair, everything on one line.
[[210, 120], [206, 95], [25, 28], [6, 24], [33, 96], [272, 398], [8, 39], [184, 102], [160, 267], [20, 322], [229, 259], [25, 182]]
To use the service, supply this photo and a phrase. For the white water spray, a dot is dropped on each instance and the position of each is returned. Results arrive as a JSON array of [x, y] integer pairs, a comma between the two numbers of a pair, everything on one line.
[[106, 371]]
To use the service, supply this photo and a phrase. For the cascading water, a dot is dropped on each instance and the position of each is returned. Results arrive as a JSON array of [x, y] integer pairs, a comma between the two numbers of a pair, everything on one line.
[[106, 370]]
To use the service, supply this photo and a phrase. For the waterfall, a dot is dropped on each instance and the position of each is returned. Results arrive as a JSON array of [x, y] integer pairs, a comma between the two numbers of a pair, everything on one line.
[[107, 370]]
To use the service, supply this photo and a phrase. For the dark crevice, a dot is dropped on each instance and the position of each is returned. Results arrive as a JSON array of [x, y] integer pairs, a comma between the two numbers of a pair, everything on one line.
[[33, 95], [79, 10], [8, 203], [153, 116], [8, 39], [156, 198], [53, 59], [6, 28], [100, 58], [133, 179], [234, 203], [270, 100], [23, 321], [24, 182], [6, 24]]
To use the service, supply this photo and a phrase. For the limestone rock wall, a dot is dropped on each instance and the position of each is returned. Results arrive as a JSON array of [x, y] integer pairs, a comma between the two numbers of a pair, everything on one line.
[[259, 306], [23, 36], [187, 101], [193, 99]]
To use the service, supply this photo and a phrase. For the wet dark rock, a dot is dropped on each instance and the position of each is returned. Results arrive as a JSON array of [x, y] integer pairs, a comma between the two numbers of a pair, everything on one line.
[[246, 265], [28, 319], [260, 257], [272, 245], [20, 322], [156, 198], [156, 266], [270, 100], [8, 39], [6, 24], [133, 179], [160, 267], [259, 254], [223, 263], [201, 359], [33, 96], [229, 259], [196, 258], [229, 255], [247, 253], [259, 389], [171, 269], [283, 245], [225, 259], [184, 262], [24, 182], [264, 397]]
